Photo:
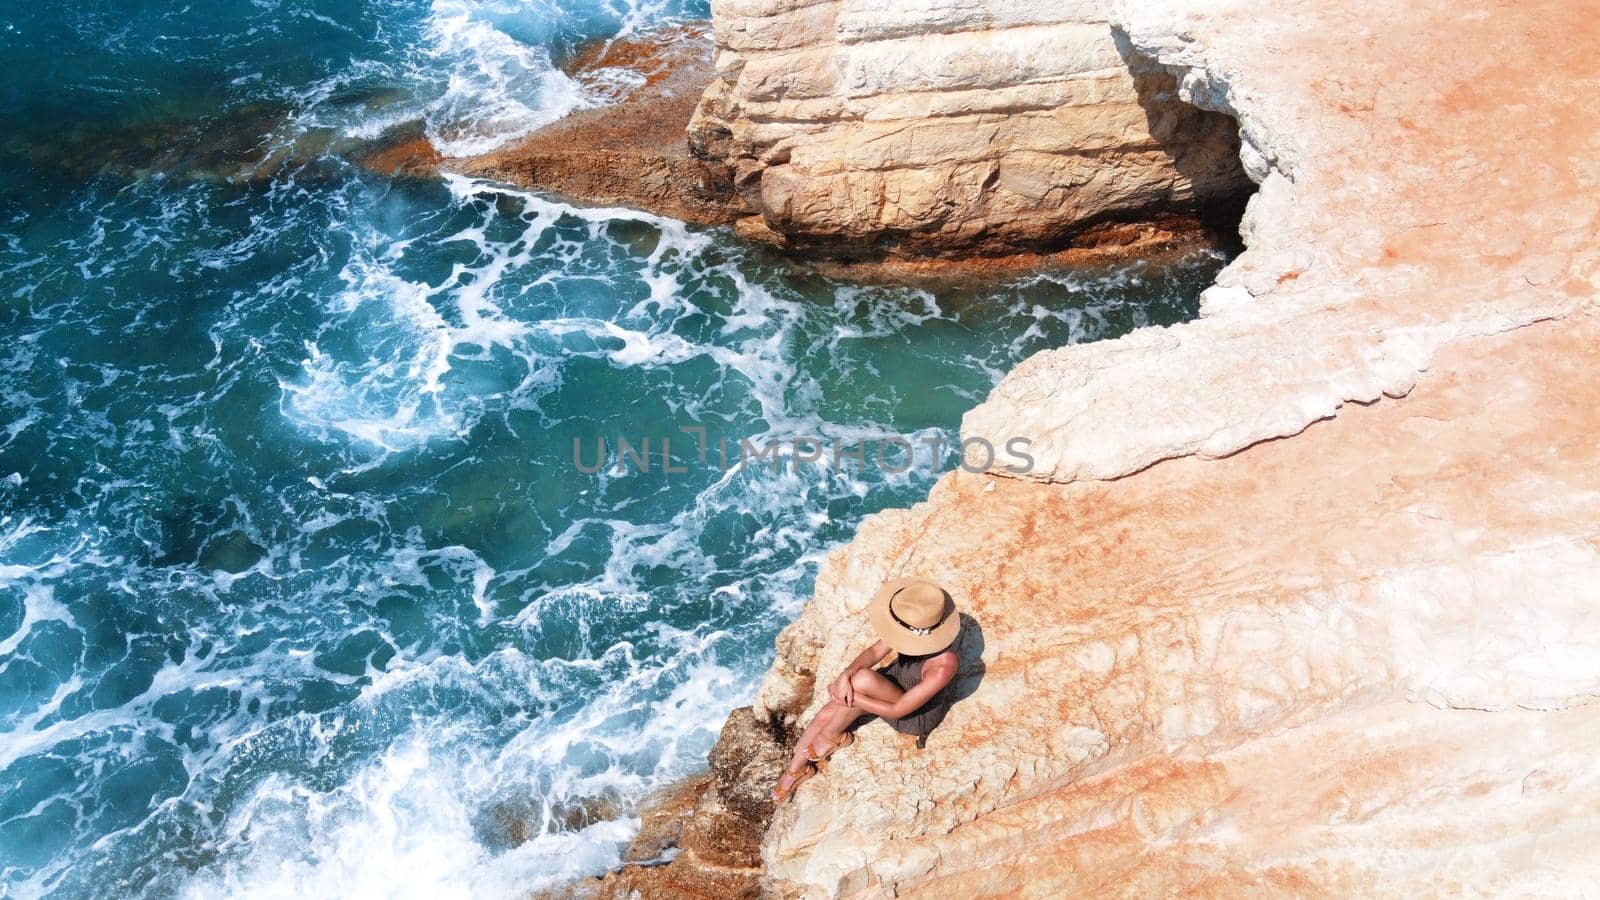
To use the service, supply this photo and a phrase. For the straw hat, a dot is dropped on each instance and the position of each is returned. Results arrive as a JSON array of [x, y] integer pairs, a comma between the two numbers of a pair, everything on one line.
[[914, 616]]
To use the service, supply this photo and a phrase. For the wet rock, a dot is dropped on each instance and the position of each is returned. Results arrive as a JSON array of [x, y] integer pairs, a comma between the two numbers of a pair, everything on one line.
[[633, 151], [749, 752], [662, 818], [702, 838], [232, 552]]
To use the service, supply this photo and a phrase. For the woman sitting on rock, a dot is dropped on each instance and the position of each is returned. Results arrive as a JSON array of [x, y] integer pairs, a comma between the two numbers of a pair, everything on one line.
[[916, 620]]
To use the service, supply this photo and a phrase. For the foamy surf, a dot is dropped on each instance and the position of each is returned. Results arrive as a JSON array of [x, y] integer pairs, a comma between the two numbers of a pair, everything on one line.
[[498, 88], [439, 816]]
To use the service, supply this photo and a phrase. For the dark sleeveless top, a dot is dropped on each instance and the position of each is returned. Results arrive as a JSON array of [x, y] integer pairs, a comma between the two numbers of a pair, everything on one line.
[[906, 671]]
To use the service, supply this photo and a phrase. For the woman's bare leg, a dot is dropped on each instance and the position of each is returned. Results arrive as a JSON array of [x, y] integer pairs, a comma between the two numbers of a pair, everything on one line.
[[831, 720], [834, 717], [875, 686]]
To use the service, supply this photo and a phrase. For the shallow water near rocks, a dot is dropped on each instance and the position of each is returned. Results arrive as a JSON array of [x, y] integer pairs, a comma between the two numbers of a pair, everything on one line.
[[301, 593]]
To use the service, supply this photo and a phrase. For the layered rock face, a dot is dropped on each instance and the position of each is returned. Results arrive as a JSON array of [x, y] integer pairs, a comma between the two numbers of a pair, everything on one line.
[[1302, 597], [934, 126]]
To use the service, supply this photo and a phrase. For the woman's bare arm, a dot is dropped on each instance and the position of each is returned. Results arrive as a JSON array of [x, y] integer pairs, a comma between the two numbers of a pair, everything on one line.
[[936, 673], [840, 690]]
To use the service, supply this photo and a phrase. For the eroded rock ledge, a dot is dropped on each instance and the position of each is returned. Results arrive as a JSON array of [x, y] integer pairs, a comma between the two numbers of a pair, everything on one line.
[[1304, 597], [933, 127], [824, 131]]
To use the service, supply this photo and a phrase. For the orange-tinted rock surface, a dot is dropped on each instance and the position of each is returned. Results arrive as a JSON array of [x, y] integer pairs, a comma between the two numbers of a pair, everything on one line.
[[631, 151]]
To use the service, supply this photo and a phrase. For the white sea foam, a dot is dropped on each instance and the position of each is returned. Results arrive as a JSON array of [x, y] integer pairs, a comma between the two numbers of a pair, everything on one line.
[[411, 823], [393, 397], [497, 89], [39, 605], [472, 84]]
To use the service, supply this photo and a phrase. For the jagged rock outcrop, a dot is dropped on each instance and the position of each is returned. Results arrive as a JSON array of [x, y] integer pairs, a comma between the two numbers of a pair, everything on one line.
[[710, 827], [633, 150], [1302, 597], [941, 127]]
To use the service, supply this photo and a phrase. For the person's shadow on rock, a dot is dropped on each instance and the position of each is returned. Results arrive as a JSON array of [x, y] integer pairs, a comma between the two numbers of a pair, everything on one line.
[[970, 649], [972, 666]]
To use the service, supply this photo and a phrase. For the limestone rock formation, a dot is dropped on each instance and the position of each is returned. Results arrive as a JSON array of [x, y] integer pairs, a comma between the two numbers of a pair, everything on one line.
[[1303, 596], [934, 126]]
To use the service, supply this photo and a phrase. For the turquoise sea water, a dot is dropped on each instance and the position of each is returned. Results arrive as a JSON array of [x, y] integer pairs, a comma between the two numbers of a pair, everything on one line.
[[300, 592]]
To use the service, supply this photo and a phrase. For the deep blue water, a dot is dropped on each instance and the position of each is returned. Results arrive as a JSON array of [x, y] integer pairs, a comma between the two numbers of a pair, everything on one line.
[[301, 593]]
